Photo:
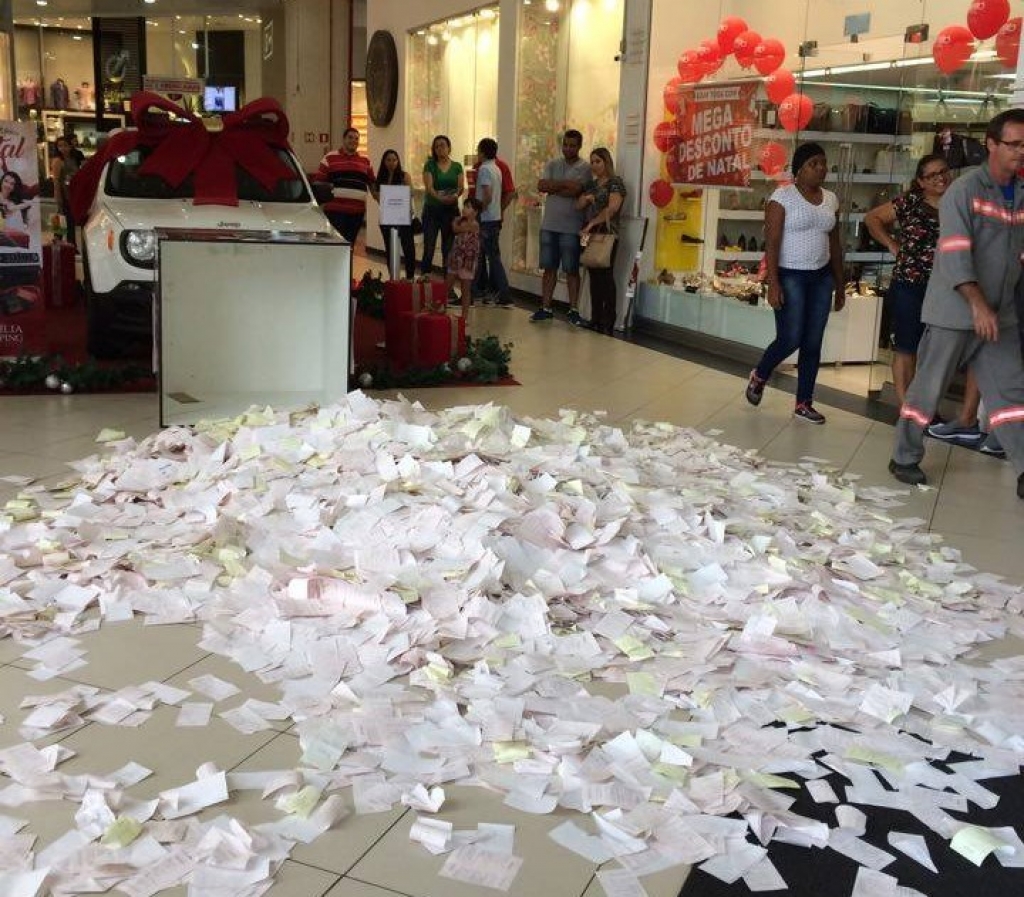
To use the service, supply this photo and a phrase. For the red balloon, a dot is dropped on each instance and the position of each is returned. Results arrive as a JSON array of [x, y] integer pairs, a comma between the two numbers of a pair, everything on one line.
[[709, 56], [728, 30], [773, 158], [661, 193], [665, 136], [1008, 42], [743, 47], [986, 17], [779, 85], [671, 96], [769, 55], [952, 48], [795, 112], [690, 68]]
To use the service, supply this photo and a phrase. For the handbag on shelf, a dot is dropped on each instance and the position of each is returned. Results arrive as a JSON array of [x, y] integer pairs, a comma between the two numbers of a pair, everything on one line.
[[597, 252], [820, 118]]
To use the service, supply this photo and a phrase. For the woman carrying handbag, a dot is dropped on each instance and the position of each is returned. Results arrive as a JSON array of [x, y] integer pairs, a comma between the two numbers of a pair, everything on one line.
[[602, 200]]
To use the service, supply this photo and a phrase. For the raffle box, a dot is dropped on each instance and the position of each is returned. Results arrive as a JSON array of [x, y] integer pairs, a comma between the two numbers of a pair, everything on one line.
[[250, 318]]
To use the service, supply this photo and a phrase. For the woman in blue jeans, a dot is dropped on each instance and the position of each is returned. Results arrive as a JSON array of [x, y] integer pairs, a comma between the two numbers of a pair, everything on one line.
[[804, 262]]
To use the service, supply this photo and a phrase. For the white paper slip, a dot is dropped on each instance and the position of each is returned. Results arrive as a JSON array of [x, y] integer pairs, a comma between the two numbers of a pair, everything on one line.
[[821, 792], [484, 868], [914, 846], [193, 713], [214, 688], [620, 883]]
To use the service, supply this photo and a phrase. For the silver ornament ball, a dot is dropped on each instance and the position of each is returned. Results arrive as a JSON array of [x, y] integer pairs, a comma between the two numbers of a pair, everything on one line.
[[52, 381], [464, 364], [66, 388], [366, 380]]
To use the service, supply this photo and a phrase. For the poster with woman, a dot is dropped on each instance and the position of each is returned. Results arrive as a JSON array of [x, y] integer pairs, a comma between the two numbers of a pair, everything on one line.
[[22, 315]]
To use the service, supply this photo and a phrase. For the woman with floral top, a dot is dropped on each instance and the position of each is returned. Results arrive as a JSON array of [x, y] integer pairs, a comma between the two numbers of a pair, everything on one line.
[[602, 200], [909, 228]]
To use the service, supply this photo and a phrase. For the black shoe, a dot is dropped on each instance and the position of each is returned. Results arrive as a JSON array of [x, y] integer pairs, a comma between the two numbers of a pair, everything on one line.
[[755, 389], [806, 411], [911, 474]]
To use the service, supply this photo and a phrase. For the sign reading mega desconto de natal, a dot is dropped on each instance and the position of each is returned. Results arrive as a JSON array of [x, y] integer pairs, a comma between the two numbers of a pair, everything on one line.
[[716, 135]]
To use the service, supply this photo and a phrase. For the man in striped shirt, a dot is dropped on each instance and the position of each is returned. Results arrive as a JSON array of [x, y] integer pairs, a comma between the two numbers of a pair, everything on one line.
[[350, 176]]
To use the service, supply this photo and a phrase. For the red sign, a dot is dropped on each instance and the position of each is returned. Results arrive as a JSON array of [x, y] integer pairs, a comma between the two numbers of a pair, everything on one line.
[[716, 135]]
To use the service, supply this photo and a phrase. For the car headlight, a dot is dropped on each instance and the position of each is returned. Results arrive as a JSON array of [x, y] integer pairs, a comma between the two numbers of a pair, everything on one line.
[[139, 247]]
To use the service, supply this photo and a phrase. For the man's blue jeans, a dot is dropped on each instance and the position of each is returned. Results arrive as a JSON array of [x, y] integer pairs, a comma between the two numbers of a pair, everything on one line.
[[490, 255], [800, 324]]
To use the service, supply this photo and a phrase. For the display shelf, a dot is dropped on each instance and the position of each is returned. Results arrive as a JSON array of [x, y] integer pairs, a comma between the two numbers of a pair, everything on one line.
[[837, 137], [726, 255], [758, 215]]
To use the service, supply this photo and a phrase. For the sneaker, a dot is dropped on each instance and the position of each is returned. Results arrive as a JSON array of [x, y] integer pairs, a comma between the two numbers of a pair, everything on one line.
[[954, 431], [573, 317], [541, 314], [755, 389], [805, 411], [911, 474], [992, 446]]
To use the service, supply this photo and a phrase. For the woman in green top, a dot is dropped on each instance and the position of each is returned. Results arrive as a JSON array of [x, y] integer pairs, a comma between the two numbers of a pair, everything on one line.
[[445, 182]]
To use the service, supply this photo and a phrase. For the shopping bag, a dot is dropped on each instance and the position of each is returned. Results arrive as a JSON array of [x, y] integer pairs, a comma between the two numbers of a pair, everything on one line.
[[597, 252]]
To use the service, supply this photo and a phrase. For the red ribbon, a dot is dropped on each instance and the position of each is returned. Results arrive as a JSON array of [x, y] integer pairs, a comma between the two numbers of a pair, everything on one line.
[[250, 139]]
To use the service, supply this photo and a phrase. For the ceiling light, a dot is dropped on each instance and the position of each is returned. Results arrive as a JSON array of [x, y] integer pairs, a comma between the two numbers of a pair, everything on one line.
[[551, 5], [42, 2]]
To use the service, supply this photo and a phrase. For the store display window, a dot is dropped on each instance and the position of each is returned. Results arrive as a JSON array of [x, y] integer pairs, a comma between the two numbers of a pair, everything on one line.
[[568, 78], [452, 86], [730, 97]]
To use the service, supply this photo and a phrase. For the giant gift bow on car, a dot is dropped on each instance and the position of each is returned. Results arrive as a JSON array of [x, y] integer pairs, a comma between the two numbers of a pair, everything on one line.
[[250, 138]]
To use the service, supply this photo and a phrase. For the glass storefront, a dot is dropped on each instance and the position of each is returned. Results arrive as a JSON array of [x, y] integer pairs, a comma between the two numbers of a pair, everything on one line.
[[452, 86], [568, 78], [718, 144]]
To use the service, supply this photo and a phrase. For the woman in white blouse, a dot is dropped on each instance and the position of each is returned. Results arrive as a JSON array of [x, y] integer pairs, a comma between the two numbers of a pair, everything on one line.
[[804, 268]]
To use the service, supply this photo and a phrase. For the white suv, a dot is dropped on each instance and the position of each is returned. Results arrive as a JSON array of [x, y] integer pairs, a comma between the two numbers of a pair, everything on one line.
[[120, 244]]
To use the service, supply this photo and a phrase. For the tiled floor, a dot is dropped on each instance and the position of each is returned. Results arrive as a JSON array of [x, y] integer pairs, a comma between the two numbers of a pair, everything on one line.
[[973, 505]]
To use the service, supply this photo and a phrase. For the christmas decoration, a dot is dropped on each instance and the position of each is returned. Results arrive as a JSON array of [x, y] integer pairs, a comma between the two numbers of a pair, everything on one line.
[[671, 96], [689, 66], [666, 136], [368, 292], [1008, 42], [488, 362], [709, 57], [744, 46], [795, 112], [729, 29], [33, 373], [661, 193], [952, 48], [773, 158], [779, 85], [986, 17], [365, 380], [769, 55]]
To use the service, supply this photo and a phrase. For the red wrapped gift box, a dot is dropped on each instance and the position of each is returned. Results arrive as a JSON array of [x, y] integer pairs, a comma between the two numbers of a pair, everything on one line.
[[430, 339], [59, 284], [406, 297]]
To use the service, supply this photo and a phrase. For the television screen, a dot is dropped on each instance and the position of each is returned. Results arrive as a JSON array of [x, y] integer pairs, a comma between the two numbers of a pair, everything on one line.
[[219, 99]]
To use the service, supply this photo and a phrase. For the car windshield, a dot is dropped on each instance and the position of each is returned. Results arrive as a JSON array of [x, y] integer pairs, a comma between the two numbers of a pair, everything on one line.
[[124, 179]]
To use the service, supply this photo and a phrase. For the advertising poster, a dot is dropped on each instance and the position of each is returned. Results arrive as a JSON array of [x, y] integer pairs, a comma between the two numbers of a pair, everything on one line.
[[715, 132], [22, 311], [186, 92]]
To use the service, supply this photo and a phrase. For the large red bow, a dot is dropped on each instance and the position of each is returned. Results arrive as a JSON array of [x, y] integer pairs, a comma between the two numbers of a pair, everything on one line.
[[182, 146]]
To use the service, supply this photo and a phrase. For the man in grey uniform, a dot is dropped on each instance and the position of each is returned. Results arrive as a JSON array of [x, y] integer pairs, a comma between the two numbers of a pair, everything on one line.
[[970, 308]]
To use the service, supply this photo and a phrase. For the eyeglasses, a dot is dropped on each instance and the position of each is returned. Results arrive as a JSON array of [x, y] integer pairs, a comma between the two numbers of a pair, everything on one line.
[[935, 175], [1015, 146]]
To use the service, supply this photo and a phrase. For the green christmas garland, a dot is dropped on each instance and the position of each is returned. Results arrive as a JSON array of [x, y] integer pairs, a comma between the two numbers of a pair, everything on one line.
[[486, 361], [35, 372]]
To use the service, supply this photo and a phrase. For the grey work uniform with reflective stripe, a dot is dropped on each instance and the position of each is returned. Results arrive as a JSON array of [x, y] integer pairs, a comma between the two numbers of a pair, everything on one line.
[[981, 239]]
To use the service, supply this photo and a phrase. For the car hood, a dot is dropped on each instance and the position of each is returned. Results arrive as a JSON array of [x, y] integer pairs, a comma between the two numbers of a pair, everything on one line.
[[145, 214]]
